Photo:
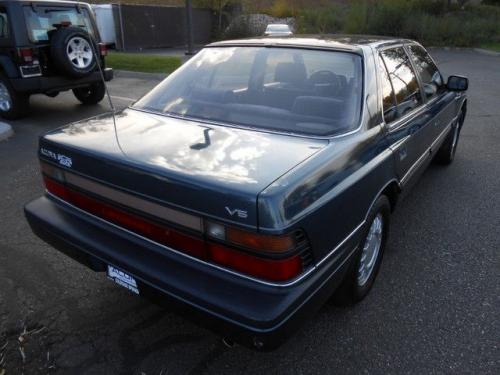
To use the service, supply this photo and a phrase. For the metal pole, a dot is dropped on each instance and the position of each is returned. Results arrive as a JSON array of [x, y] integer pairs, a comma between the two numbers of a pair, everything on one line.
[[189, 27], [122, 31]]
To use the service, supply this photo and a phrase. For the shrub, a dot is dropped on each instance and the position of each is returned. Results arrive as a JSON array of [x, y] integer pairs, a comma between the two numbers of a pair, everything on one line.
[[432, 7], [388, 17], [356, 18], [281, 9], [239, 28], [431, 22], [323, 20]]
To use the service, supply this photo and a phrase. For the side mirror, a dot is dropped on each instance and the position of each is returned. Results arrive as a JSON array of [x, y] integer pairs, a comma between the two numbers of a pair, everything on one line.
[[457, 83]]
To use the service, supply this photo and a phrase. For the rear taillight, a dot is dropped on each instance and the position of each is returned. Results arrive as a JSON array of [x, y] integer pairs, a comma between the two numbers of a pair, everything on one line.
[[103, 49], [250, 240], [274, 258], [264, 268], [269, 257], [192, 245], [26, 54]]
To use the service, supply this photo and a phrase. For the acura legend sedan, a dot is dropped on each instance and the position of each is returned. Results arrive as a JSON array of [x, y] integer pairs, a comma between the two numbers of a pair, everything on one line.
[[256, 182]]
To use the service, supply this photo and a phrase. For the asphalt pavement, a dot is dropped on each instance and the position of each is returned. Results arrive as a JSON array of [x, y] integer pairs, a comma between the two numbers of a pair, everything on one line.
[[435, 308]]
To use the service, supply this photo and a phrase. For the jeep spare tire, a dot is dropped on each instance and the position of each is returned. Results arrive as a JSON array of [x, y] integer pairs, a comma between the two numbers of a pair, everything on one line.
[[73, 51]]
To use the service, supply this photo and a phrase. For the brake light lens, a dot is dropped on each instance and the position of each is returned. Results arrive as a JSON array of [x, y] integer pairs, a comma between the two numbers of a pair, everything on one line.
[[56, 188], [26, 54], [261, 256], [156, 232], [103, 49], [250, 240], [270, 269], [274, 244]]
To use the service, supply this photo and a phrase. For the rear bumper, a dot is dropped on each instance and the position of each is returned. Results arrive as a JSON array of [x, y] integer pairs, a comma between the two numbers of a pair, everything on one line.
[[43, 84], [254, 314]]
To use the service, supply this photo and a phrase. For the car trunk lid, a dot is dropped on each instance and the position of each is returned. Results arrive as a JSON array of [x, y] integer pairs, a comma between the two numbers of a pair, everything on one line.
[[211, 170]]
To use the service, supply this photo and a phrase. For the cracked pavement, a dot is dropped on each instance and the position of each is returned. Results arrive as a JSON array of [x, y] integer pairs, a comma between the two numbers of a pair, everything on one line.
[[435, 307]]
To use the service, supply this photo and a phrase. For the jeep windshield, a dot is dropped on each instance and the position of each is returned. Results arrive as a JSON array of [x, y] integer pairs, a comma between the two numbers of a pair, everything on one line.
[[41, 21], [292, 90]]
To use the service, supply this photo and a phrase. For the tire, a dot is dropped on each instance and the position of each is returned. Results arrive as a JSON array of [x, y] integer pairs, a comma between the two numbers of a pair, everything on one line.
[[357, 283], [92, 94], [13, 105], [73, 51], [446, 153]]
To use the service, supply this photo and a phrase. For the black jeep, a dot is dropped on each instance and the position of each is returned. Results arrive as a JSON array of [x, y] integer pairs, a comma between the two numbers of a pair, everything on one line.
[[47, 47]]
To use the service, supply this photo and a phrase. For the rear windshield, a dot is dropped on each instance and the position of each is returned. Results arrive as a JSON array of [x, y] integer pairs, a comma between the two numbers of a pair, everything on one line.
[[282, 89], [42, 21]]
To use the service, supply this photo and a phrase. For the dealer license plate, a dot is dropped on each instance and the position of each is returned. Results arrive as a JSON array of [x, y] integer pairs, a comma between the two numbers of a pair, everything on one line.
[[123, 279]]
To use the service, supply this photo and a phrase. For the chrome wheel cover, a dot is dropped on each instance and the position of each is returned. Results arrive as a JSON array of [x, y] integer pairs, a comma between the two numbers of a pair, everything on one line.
[[370, 250], [5, 100], [79, 52]]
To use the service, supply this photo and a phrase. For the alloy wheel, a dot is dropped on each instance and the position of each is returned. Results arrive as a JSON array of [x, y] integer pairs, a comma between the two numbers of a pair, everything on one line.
[[79, 52], [370, 250]]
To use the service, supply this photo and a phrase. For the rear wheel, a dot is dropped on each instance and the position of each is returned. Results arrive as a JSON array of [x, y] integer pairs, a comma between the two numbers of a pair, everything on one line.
[[13, 105], [363, 270], [447, 151], [92, 94]]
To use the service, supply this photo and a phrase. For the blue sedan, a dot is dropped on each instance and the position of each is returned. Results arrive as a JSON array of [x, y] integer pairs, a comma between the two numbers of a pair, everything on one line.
[[254, 183]]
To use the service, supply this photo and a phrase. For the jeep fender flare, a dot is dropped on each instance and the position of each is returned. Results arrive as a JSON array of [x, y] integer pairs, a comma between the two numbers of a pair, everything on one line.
[[8, 67]]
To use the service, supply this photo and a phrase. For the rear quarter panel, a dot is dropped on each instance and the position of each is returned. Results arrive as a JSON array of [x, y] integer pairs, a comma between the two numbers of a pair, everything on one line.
[[330, 196]]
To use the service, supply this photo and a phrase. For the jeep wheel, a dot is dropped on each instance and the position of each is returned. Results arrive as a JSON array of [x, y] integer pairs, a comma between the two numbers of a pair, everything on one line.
[[92, 94], [13, 105], [73, 51]]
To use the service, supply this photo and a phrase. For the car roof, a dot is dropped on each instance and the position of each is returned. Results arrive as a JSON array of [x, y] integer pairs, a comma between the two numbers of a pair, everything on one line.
[[353, 43]]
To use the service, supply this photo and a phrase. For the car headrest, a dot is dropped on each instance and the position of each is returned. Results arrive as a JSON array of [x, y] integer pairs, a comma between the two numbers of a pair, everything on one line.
[[318, 106], [293, 73], [323, 77], [211, 95]]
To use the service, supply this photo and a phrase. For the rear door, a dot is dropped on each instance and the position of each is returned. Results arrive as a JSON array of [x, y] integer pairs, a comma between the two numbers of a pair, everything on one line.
[[405, 116], [440, 103]]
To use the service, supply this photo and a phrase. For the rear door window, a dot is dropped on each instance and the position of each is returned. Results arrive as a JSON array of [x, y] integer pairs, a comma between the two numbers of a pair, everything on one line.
[[388, 98], [43, 21], [403, 79], [429, 73]]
